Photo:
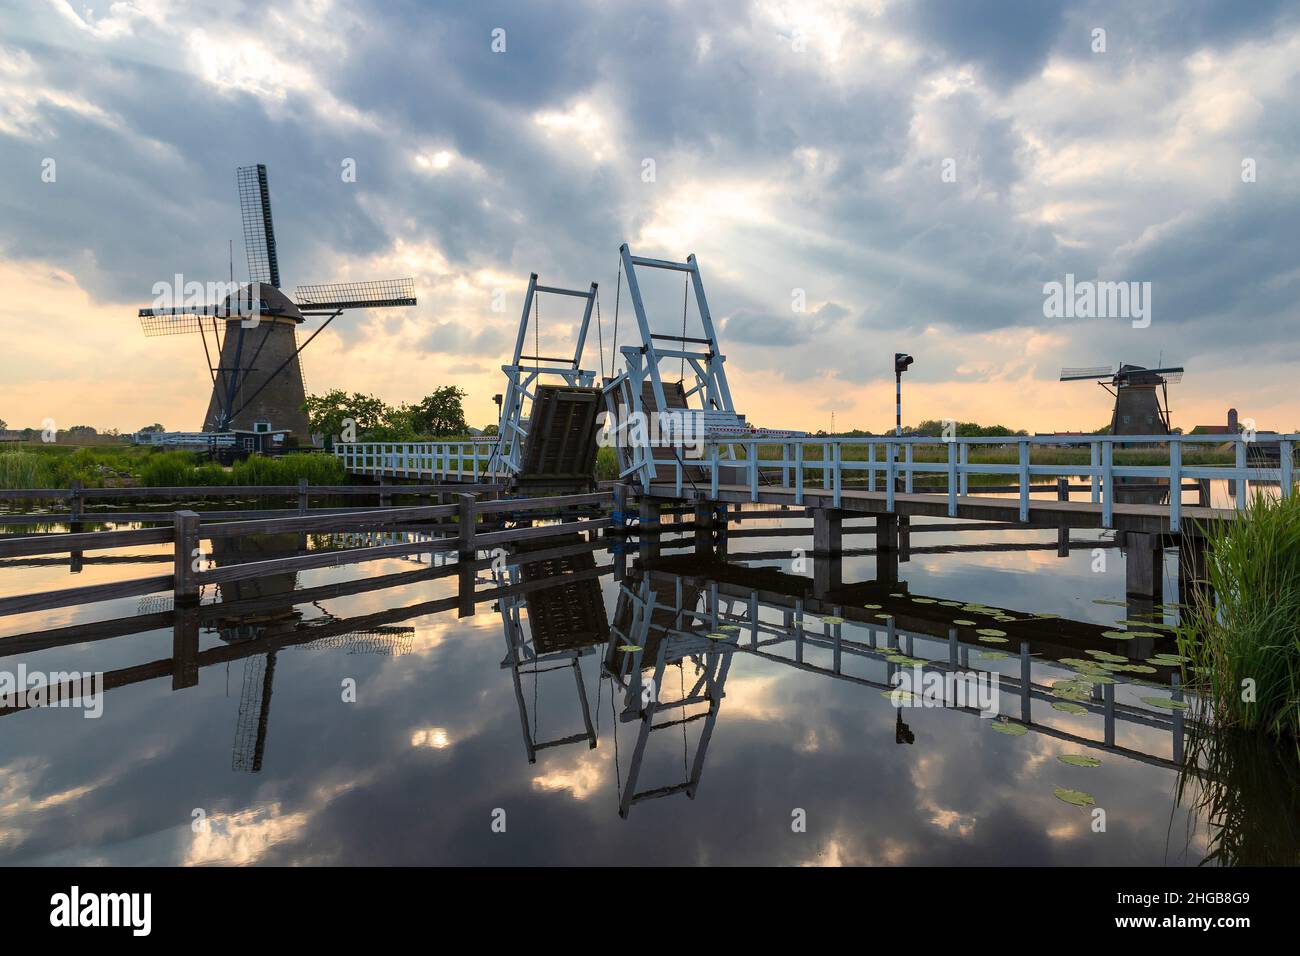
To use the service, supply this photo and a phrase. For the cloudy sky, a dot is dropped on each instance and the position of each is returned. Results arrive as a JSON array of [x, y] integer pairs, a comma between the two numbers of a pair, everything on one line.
[[913, 171]]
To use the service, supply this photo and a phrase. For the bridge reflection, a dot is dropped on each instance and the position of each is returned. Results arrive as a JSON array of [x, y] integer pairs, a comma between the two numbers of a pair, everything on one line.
[[691, 613]]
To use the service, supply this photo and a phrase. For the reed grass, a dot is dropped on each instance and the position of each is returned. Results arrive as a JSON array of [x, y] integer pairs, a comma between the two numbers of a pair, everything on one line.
[[55, 467], [1242, 633]]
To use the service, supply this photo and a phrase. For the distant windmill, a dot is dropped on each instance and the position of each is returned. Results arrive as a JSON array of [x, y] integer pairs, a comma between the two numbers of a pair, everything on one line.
[[1137, 408], [257, 385]]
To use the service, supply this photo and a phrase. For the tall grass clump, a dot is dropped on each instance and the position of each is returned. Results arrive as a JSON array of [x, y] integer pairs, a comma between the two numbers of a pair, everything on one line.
[[171, 469], [20, 469], [606, 464], [1243, 636], [318, 469]]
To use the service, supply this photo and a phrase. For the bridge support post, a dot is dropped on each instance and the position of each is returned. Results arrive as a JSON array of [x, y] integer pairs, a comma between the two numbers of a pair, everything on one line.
[[887, 549], [185, 648], [465, 581], [185, 589], [1143, 566], [1063, 532], [465, 533], [710, 526], [649, 515], [828, 531], [75, 504], [828, 575]]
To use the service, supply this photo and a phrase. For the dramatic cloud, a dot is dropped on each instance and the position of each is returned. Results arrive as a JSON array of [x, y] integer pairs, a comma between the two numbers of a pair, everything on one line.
[[854, 178]]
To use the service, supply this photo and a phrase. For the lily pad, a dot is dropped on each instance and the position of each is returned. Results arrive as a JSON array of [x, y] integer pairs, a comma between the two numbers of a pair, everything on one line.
[[872, 607], [1075, 797], [1078, 760], [729, 627], [1117, 635], [992, 655], [962, 622], [903, 695], [1072, 689], [1168, 703], [985, 638], [1106, 656], [716, 636], [1068, 707], [830, 619], [904, 659], [1010, 728], [1110, 602], [990, 632], [628, 648], [923, 601]]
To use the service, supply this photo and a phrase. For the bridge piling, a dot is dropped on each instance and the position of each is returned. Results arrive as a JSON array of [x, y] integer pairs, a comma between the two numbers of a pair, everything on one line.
[[185, 648], [1143, 566], [828, 531]]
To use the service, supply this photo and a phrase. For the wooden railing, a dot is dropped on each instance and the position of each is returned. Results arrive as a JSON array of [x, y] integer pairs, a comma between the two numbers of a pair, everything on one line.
[[78, 497], [188, 530]]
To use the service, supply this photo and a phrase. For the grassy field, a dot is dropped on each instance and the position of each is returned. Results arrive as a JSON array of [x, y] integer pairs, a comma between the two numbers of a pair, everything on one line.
[[56, 466]]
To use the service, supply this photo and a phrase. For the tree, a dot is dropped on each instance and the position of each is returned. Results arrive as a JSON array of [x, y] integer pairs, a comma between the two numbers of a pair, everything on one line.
[[3, 424], [155, 427], [439, 414], [331, 413]]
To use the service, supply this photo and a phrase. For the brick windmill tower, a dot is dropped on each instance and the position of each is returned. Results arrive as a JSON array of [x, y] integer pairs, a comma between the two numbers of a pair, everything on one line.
[[257, 383], [1138, 409]]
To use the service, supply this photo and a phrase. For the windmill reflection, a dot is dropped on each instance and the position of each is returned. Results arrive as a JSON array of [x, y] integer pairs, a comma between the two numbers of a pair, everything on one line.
[[273, 619]]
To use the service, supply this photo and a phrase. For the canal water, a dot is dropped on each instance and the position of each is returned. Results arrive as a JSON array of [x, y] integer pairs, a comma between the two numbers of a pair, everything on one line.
[[393, 726]]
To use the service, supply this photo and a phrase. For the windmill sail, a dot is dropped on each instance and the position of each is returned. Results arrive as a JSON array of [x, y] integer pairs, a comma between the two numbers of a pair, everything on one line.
[[1079, 374], [356, 295], [259, 232]]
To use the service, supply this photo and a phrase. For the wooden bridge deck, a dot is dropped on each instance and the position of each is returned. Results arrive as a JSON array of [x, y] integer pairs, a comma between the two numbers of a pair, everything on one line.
[[1043, 513]]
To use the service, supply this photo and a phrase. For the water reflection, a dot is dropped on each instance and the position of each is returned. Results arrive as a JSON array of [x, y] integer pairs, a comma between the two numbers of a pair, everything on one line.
[[631, 673]]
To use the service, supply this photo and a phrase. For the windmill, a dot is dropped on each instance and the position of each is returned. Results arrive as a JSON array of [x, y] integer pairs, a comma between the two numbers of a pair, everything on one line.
[[257, 383], [1138, 410]]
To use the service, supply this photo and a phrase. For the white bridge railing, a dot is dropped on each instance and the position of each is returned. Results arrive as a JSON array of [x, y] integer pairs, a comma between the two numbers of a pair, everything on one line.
[[767, 463], [463, 459]]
